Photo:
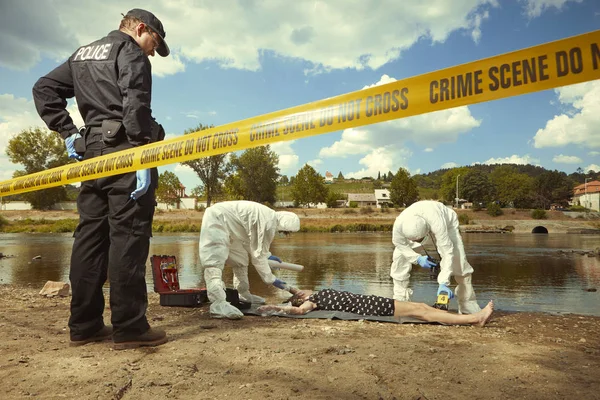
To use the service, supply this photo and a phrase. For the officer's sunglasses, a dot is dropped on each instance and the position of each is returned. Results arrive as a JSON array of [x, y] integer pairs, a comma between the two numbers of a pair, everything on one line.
[[151, 33]]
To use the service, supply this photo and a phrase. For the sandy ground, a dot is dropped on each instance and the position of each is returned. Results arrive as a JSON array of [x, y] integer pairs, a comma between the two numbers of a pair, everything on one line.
[[517, 355]]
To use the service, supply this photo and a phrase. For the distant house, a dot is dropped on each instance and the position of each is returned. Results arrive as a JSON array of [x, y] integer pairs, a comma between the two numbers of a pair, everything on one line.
[[362, 199], [184, 203], [382, 197], [587, 195], [328, 177]]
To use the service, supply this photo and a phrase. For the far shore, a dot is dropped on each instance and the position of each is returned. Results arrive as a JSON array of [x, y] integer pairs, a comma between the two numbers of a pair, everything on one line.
[[315, 220]]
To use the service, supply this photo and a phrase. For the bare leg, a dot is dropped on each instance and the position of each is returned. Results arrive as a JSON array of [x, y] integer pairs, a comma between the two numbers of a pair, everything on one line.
[[426, 313]]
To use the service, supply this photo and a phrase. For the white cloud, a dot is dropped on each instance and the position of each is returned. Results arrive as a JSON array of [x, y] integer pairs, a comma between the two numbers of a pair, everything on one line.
[[593, 167], [163, 66], [567, 159], [315, 163], [381, 159], [17, 114], [389, 137], [449, 165], [428, 150], [579, 124], [594, 153], [288, 159], [534, 8], [514, 159], [364, 34]]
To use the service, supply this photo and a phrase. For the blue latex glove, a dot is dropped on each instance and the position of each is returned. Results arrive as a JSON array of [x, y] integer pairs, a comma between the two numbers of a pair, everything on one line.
[[274, 258], [70, 144], [444, 288], [425, 262], [143, 183], [280, 284]]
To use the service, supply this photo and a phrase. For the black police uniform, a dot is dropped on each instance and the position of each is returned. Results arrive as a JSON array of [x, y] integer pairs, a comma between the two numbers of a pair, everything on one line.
[[112, 82]]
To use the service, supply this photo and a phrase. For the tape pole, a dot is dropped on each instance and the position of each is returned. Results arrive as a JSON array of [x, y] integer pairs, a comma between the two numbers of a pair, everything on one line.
[[546, 66]]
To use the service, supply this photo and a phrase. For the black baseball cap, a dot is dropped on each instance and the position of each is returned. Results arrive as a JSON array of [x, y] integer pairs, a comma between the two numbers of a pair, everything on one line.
[[153, 23]]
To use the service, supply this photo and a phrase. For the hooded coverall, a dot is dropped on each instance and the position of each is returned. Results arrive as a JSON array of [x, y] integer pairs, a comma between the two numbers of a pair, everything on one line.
[[442, 224], [232, 233]]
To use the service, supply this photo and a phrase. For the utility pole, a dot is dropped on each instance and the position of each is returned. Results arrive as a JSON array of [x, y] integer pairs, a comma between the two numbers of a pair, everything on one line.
[[585, 191], [457, 201]]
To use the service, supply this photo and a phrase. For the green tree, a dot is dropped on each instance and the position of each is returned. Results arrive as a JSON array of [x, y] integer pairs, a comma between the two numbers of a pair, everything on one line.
[[552, 187], [512, 188], [309, 187], [211, 170], [448, 183], [340, 176], [403, 189], [197, 192], [284, 180], [38, 150], [476, 186], [332, 198], [255, 175], [169, 187]]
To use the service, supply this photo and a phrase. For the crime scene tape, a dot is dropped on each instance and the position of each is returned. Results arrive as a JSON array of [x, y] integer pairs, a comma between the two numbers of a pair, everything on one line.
[[546, 66]]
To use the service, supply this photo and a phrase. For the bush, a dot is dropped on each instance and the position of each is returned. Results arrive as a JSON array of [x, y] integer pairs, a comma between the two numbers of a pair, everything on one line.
[[3, 222], [494, 209], [477, 206], [463, 219], [366, 210], [353, 204], [200, 207], [385, 209], [349, 211], [578, 208], [538, 214], [65, 225]]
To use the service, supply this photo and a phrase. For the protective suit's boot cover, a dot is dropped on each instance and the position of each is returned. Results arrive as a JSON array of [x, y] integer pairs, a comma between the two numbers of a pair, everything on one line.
[[215, 289], [467, 302], [252, 298], [402, 291], [241, 284]]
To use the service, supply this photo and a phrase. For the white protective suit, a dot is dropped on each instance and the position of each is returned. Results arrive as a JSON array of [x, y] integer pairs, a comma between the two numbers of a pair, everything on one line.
[[231, 233], [441, 222]]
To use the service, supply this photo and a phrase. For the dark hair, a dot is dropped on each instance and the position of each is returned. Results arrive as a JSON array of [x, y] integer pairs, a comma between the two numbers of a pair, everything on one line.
[[295, 300]]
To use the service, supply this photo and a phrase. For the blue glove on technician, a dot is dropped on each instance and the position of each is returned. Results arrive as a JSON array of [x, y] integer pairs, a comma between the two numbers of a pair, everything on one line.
[[444, 288], [425, 262], [274, 258], [280, 284], [70, 144], [143, 183]]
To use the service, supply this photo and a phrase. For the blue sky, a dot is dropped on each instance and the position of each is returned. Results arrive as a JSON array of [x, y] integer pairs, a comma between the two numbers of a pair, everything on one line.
[[232, 60]]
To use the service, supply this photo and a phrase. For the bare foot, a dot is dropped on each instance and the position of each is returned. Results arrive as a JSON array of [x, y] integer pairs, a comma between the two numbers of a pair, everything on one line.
[[484, 315]]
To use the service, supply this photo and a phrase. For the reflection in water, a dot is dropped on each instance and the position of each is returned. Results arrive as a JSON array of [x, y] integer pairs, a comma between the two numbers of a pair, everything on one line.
[[519, 271]]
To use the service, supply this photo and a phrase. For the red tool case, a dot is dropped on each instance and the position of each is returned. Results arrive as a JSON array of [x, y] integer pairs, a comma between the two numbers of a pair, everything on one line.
[[165, 273]]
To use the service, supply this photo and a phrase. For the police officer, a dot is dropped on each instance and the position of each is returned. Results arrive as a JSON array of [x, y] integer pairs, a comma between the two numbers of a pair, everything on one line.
[[112, 82]]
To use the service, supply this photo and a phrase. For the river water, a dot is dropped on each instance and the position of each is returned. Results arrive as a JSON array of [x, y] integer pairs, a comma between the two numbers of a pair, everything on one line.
[[521, 272]]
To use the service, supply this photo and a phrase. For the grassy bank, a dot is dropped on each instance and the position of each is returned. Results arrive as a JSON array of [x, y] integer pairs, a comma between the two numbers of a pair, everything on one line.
[[68, 225], [312, 220]]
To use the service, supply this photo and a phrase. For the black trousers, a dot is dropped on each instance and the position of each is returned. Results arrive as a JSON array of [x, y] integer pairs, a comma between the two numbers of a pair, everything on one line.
[[112, 239]]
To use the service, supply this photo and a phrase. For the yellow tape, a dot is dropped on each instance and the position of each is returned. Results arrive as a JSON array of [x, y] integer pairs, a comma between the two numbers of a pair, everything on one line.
[[563, 62]]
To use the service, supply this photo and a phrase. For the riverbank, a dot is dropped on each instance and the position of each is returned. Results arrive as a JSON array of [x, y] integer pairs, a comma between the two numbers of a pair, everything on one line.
[[517, 355], [313, 220]]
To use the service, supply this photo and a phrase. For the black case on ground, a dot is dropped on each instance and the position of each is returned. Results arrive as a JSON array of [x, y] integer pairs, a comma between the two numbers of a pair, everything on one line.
[[165, 273]]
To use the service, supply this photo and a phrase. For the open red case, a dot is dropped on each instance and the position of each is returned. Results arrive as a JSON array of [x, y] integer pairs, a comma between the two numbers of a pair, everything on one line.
[[165, 273]]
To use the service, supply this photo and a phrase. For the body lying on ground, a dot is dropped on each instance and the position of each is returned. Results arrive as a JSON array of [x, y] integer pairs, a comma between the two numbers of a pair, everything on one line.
[[305, 301]]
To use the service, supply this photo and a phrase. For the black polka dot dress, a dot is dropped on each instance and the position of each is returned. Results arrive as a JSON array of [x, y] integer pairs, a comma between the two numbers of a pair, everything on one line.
[[334, 300]]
